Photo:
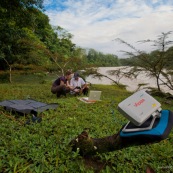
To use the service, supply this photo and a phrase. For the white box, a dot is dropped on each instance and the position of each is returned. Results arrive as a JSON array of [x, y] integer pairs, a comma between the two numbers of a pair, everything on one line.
[[139, 107]]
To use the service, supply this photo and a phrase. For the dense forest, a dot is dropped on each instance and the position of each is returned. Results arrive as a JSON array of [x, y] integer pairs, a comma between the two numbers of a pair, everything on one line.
[[28, 41]]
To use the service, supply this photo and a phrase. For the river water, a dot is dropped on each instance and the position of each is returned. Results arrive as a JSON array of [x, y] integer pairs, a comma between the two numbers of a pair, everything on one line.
[[132, 84]]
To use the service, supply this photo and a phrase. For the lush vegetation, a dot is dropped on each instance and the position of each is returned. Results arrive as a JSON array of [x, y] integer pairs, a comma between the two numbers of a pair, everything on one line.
[[102, 60], [157, 64], [44, 147], [27, 39]]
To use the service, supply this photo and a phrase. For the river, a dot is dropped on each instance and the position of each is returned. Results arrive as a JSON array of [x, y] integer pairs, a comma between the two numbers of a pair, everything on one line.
[[132, 84]]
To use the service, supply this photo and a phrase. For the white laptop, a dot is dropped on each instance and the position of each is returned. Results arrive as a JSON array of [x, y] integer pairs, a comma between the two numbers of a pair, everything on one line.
[[138, 108], [93, 96]]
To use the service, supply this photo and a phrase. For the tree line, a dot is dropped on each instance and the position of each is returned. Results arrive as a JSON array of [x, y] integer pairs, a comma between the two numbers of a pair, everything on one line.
[[28, 41]]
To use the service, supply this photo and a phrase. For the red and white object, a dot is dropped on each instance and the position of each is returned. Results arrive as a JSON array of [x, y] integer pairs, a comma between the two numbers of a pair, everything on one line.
[[139, 107]]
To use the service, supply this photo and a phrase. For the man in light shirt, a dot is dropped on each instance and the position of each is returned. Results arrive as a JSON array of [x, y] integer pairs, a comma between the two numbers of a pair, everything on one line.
[[78, 85]]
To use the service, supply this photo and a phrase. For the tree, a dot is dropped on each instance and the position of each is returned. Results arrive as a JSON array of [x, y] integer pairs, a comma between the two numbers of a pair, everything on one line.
[[170, 55], [14, 16], [27, 38], [102, 60], [64, 53], [75, 62], [154, 64]]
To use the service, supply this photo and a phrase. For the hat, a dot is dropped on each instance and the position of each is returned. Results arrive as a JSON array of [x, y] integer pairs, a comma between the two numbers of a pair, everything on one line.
[[76, 75]]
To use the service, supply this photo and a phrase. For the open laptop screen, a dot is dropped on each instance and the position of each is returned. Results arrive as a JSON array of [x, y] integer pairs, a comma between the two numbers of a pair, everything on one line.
[[94, 95]]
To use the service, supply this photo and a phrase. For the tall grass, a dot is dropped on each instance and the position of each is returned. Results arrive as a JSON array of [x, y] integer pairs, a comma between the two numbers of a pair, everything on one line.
[[43, 147]]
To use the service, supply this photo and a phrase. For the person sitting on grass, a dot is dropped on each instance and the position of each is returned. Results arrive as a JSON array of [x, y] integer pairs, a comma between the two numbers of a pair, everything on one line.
[[61, 85], [78, 85]]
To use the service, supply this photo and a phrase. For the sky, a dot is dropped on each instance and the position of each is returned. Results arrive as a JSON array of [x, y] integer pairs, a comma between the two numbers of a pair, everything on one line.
[[97, 24]]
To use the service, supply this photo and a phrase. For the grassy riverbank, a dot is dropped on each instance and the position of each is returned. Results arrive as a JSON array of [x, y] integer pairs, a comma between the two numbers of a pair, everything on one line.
[[43, 147]]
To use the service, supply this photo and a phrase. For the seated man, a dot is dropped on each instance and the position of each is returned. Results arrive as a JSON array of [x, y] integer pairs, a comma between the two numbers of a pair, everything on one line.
[[78, 85], [61, 85]]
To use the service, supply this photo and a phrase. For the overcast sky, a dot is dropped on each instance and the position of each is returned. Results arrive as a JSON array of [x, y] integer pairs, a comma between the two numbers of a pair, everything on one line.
[[96, 23]]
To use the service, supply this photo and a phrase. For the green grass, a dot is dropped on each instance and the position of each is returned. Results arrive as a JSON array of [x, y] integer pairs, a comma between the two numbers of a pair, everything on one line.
[[43, 147]]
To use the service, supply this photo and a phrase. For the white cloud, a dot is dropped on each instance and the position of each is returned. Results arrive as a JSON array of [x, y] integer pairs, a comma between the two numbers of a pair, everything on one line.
[[95, 23]]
